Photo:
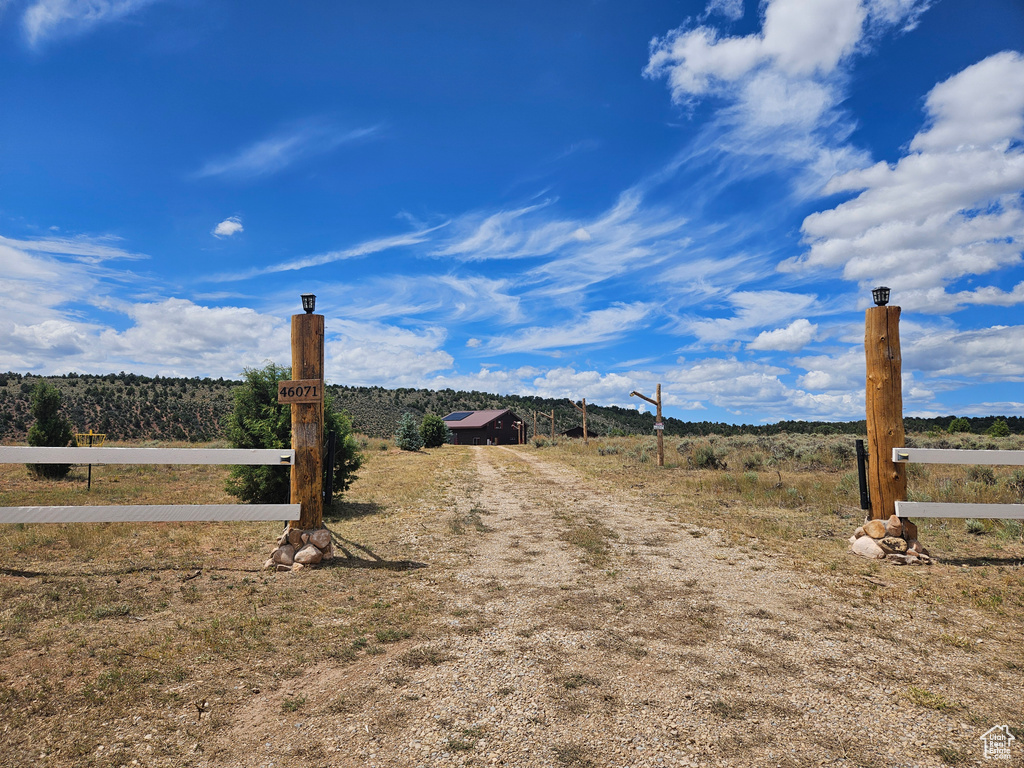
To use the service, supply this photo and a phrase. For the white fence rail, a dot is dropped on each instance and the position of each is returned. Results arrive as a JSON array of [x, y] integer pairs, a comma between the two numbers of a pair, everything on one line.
[[150, 513], [20, 454], [956, 456], [955, 509], [23, 454]]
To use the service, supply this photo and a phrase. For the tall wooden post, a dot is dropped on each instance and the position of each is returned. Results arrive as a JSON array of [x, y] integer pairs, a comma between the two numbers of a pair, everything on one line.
[[584, 409], [552, 425], [659, 425], [308, 422], [887, 481]]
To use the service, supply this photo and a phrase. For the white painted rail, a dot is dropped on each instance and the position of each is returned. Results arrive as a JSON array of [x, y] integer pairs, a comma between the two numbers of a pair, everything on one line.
[[147, 513], [956, 456], [951, 509], [23, 454], [150, 513], [957, 509]]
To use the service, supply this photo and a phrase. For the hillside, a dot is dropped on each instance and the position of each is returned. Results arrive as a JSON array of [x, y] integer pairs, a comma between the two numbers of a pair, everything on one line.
[[127, 406]]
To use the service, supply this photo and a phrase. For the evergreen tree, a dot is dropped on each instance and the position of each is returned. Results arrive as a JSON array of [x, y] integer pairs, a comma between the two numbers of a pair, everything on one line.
[[999, 428], [408, 436], [51, 428], [434, 431], [959, 425], [259, 421]]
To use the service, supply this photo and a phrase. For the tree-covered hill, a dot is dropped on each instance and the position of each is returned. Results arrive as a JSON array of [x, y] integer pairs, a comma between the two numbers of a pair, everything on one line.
[[127, 406]]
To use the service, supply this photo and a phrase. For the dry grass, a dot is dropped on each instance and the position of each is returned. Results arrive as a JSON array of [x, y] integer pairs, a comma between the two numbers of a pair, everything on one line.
[[112, 632], [801, 503], [144, 622]]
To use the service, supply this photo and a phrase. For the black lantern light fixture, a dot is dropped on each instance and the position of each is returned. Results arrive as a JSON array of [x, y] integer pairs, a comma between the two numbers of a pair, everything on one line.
[[309, 302], [880, 295]]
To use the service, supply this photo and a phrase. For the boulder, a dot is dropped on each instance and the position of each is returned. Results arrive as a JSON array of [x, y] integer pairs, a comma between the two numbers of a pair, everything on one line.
[[285, 554], [909, 529], [867, 547], [320, 538], [859, 532], [915, 546], [875, 529], [893, 526], [308, 555], [893, 545], [295, 537]]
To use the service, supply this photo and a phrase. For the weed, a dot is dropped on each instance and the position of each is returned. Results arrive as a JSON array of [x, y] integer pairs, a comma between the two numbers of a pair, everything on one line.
[[392, 635], [951, 756], [424, 656], [293, 704], [922, 697]]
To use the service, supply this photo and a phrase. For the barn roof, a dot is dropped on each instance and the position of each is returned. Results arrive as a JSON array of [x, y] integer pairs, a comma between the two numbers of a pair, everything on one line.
[[472, 419]]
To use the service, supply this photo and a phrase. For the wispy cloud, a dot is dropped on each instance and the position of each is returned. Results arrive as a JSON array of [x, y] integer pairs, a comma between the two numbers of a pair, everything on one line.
[[754, 309], [600, 326], [85, 249], [365, 248], [56, 18], [275, 153]]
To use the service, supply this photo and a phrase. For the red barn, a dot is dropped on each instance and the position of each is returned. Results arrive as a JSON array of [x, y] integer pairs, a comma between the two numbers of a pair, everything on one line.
[[485, 427]]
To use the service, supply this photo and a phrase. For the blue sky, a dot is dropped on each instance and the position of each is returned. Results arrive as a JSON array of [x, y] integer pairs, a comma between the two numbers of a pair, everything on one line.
[[568, 199]]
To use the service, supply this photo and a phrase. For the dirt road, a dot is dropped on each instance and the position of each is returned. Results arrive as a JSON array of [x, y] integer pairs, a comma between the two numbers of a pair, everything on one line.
[[588, 628]]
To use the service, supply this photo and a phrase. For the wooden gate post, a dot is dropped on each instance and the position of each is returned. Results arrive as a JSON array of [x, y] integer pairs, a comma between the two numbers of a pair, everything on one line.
[[584, 410], [659, 425], [308, 421], [887, 481]]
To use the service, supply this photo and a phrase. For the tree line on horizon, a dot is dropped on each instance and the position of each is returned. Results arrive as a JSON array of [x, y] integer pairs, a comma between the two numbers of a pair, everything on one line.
[[128, 406]]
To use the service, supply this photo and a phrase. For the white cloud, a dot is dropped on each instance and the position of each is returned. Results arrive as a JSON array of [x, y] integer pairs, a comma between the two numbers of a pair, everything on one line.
[[366, 353], [782, 86], [992, 354], [753, 309], [596, 327], [232, 225], [983, 106], [949, 209], [179, 335], [85, 249], [792, 338], [359, 250], [54, 18], [275, 153], [730, 9]]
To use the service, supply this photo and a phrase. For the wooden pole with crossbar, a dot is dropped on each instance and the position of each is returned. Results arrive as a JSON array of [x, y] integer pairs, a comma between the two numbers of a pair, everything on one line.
[[584, 409], [659, 426]]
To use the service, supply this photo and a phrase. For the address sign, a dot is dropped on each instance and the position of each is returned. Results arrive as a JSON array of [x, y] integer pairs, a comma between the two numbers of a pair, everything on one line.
[[301, 391]]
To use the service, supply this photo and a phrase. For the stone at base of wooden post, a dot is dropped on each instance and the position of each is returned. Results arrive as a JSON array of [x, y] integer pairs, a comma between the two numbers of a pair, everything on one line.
[[295, 549], [893, 540]]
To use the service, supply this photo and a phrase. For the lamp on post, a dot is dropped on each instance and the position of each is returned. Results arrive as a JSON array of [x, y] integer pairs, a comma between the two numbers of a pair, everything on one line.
[[309, 302], [880, 296]]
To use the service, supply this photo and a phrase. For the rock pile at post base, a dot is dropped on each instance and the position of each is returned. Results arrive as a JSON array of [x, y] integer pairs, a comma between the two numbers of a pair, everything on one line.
[[296, 549], [893, 540]]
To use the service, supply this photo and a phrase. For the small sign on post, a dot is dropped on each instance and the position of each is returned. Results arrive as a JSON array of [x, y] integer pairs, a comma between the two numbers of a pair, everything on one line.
[[301, 391]]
